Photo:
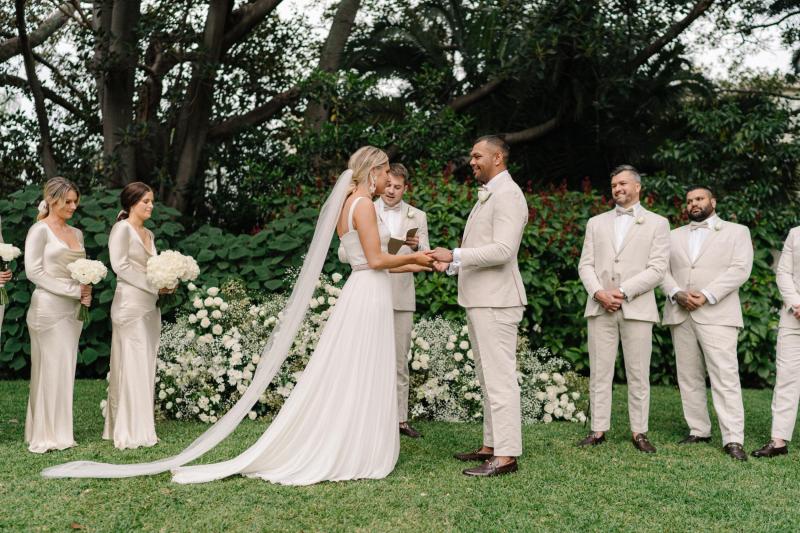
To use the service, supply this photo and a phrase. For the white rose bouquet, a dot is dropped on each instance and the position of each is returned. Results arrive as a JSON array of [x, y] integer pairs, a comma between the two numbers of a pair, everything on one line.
[[167, 269], [87, 272], [7, 254]]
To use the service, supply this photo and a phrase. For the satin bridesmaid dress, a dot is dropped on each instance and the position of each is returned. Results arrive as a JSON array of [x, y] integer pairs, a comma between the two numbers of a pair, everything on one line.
[[55, 331], [136, 323], [2, 307]]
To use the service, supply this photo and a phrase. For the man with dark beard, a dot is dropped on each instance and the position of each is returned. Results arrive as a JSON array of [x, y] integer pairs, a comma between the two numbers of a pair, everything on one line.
[[709, 260]]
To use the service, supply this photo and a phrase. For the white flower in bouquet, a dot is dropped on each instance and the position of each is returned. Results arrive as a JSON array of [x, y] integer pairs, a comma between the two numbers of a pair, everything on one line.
[[252, 415], [213, 291], [336, 277], [464, 345], [217, 329], [458, 357], [450, 346], [208, 302], [547, 418], [191, 287], [7, 254], [87, 272], [167, 269], [202, 313], [198, 303], [205, 322], [192, 318], [216, 314], [223, 307], [218, 301]]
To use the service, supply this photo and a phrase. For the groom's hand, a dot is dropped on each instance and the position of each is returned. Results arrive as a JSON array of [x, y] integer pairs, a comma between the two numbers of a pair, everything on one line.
[[438, 266], [443, 255]]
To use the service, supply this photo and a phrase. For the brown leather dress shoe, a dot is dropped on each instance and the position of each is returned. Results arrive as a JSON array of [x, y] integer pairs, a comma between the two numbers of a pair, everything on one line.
[[641, 443], [770, 450], [475, 455], [735, 450], [694, 439], [591, 440], [408, 431], [489, 468]]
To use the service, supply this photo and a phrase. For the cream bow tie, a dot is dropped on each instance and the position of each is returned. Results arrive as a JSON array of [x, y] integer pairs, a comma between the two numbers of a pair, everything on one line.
[[697, 225], [621, 211], [396, 207]]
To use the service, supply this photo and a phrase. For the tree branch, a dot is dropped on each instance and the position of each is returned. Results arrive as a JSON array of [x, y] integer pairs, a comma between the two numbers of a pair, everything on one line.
[[245, 19], [77, 93], [465, 100], [530, 134], [11, 47], [229, 127], [15, 81], [672, 32], [45, 145], [774, 23]]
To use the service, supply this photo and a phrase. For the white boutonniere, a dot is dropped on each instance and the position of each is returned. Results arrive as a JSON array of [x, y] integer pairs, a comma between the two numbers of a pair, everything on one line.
[[718, 226], [640, 220], [483, 195], [410, 213]]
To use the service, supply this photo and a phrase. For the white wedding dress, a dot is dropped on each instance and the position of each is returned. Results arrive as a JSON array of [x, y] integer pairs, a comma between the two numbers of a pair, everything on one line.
[[340, 422]]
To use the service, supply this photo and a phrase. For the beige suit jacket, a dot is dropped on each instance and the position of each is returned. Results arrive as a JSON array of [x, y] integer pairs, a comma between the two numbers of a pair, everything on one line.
[[403, 292], [788, 278], [721, 267], [637, 267], [488, 274]]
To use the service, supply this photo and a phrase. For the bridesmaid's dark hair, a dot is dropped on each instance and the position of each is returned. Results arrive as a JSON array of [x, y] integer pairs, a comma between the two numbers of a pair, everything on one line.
[[130, 196]]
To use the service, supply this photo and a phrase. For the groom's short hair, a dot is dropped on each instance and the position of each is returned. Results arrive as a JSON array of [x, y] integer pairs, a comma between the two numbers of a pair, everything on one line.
[[498, 142], [399, 170], [627, 168]]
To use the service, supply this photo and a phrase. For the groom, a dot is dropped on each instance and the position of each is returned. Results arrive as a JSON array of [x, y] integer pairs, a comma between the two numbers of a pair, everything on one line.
[[490, 289]]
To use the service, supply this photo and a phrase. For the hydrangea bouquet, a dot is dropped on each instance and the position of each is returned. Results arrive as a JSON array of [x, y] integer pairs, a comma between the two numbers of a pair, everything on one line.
[[87, 272], [7, 254], [167, 269]]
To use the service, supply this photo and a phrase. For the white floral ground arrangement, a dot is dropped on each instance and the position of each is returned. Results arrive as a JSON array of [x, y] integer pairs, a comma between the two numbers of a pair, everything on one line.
[[207, 358]]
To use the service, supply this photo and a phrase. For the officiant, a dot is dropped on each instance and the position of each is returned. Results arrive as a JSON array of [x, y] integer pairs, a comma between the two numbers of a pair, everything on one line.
[[410, 225]]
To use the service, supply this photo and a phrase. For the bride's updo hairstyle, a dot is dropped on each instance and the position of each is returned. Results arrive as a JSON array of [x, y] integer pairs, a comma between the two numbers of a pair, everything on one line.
[[55, 191], [363, 161], [130, 196]]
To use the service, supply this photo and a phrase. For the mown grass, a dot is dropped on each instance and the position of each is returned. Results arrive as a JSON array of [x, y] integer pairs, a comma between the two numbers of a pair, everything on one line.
[[558, 488]]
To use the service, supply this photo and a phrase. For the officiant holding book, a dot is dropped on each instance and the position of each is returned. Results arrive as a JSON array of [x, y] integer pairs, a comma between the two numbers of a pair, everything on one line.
[[409, 225]]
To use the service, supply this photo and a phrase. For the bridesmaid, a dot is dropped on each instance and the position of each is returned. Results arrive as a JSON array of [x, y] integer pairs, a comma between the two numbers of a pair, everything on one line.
[[136, 322], [5, 277], [53, 325]]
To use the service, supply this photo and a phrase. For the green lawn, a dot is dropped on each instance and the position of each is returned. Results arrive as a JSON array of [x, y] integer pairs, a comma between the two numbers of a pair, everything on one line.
[[612, 487]]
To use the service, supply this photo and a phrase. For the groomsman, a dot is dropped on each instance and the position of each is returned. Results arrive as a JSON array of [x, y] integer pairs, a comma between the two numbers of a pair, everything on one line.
[[490, 289], [401, 217], [710, 259], [787, 364], [624, 257]]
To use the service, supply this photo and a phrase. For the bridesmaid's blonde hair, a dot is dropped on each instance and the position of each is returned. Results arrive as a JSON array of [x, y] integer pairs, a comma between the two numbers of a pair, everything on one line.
[[55, 190], [363, 161]]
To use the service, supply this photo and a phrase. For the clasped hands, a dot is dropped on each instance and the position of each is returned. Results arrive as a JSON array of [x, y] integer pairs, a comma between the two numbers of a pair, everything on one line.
[[611, 300], [690, 300], [442, 258]]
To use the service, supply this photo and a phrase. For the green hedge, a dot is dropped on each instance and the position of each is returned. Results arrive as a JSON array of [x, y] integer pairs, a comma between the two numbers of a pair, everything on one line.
[[548, 257]]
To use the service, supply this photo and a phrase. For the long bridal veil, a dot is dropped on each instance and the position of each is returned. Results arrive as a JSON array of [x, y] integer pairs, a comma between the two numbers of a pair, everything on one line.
[[272, 357]]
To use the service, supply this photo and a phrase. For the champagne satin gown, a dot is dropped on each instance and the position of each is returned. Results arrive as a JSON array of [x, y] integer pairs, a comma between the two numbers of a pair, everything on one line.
[[340, 421], [2, 307], [136, 330], [55, 331]]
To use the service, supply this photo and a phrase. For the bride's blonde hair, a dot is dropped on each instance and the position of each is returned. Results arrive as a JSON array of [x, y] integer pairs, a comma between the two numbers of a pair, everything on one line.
[[363, 161], [55, 191]]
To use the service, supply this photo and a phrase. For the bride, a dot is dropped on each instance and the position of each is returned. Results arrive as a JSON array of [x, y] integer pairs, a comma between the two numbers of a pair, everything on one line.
[[340, 422]]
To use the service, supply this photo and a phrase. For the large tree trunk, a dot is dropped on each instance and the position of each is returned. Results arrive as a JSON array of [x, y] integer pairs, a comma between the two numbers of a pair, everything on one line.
[[118, 56], [196, 111], [331, 56], [45, 145]]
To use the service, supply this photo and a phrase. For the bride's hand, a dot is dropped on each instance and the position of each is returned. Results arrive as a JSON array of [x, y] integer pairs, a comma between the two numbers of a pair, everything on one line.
[[423, 259], [418, 268]]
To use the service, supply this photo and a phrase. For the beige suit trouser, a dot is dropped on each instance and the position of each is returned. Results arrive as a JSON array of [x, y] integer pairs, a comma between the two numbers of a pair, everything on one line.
[[787, 383], [493, 335], [605, 333], [403, 322], [699, 347]]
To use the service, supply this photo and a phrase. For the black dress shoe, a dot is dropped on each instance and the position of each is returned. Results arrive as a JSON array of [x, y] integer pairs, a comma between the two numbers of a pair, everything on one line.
[[694, 439], [770, 450], [489, 468], [735, 450], [473, 456], [641, 443], [591, 440], [408, 431]]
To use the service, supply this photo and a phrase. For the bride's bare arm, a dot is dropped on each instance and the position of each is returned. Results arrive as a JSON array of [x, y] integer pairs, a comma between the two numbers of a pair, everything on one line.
[[366, 222]]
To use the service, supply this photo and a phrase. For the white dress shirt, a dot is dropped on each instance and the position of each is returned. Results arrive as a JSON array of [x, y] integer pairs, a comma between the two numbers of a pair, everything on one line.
[[623, 223], [392, 217], [452, 269], [696, 239]]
